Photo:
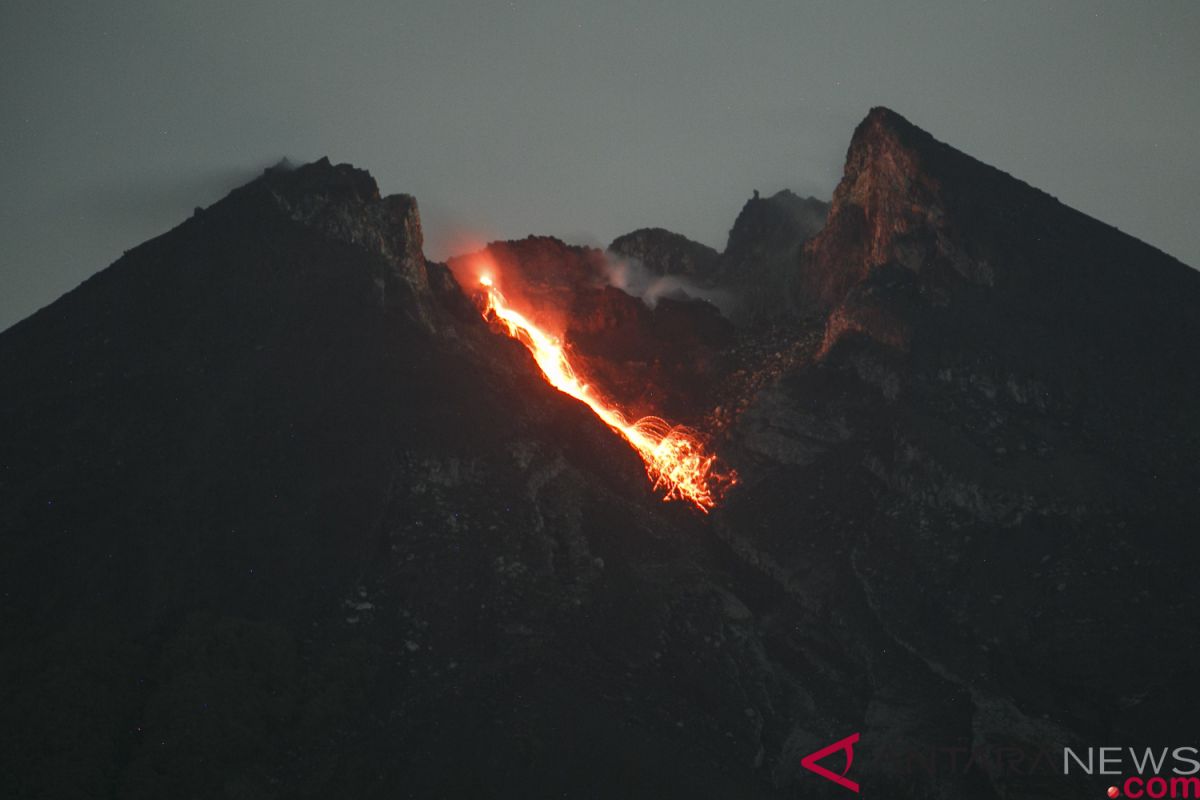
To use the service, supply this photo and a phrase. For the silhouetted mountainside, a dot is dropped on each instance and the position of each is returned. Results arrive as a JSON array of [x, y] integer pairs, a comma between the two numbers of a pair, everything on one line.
[[282, 516], [764, 246], [278, 522]]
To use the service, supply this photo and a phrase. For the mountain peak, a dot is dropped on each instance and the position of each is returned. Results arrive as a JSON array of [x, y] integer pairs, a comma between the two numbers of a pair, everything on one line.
[[920, 233], [784, 213], [238, 468], [322, 178], [882, 127], [882, 118], [908, 198], [343, 202], [664, 252]]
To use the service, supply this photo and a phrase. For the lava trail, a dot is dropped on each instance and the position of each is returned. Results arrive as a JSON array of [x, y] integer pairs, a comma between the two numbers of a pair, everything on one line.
[[675, 457]]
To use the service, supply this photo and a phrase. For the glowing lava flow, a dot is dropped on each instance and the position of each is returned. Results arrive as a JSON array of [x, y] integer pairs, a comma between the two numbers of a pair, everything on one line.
[[674, 455]]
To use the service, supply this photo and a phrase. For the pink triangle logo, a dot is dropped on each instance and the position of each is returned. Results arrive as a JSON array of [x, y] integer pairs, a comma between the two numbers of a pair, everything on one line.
[[809, 762]]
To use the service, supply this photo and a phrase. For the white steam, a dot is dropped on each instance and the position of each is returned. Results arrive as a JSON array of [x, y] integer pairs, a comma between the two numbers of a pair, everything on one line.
[[632, 277]]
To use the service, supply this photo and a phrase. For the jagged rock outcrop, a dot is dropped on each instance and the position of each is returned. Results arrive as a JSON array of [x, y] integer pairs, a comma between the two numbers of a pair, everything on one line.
[[663, 252], [543, 273], [966, 230], [957, 268], [760, 257], [343, 204], [768, 230], [758, 267]]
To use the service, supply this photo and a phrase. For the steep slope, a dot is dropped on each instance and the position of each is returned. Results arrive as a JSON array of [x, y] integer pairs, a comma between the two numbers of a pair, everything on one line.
[[961, 270], [760, 257], [989, 466], [281, 516]]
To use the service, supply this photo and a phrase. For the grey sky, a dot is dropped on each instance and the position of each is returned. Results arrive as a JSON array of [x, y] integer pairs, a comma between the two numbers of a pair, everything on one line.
[[580, 119]]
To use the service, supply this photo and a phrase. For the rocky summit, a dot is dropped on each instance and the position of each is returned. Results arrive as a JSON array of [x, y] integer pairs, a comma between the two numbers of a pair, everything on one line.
[[283, 516]]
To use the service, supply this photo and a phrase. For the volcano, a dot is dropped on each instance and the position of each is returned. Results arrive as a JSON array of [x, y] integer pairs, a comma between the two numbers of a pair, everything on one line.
[[289, 510]]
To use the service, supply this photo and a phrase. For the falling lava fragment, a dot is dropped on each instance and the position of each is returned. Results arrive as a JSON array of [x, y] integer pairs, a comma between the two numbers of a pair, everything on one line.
[[675, 457]]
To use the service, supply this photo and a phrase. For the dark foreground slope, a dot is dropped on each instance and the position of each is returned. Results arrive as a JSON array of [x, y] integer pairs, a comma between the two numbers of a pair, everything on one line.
[[281, 517]]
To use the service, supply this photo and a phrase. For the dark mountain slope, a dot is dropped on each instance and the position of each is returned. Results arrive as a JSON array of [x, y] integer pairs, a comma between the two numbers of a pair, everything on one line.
[[281, 517], [992, 459]]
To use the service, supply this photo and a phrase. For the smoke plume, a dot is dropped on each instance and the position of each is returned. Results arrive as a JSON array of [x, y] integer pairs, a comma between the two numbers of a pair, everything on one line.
[[631, 276]]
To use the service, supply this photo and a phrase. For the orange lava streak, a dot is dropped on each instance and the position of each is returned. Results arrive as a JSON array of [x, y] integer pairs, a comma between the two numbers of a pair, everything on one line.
[[675, 458]]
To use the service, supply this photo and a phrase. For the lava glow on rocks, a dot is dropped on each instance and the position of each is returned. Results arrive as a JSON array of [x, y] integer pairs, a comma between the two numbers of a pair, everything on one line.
[[675, 456]]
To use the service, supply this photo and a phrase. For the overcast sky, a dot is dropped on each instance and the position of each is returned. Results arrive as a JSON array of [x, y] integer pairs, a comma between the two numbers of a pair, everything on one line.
[[579, 119]]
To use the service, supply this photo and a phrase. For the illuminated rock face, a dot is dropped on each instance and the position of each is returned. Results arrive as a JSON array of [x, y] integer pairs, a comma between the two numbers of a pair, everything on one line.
[[666, 360], [972, 237], [282, 515]]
